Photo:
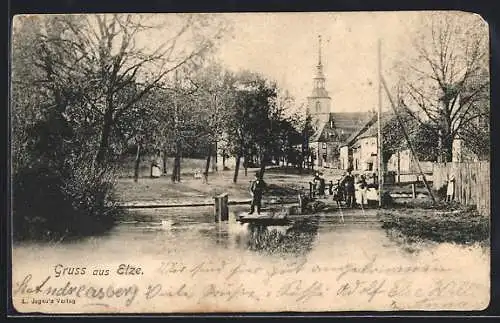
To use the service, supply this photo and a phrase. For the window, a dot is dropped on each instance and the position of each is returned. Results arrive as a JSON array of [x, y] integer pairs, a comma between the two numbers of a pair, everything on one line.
[[318, 106], [324, 145]]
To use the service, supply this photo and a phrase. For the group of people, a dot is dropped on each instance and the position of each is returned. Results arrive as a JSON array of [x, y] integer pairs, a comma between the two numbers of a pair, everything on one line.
[[349, 189]]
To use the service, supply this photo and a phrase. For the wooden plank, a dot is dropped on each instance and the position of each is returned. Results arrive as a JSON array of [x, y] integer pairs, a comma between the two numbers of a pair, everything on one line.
[[265, 221], [472, 182]]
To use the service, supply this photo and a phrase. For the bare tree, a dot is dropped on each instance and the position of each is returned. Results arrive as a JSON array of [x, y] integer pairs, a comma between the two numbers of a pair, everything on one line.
[[114, 54], [214, 96], [445, 85]]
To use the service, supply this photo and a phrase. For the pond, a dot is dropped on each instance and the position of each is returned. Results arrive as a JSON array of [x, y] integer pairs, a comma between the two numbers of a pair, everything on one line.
[[319, 264]]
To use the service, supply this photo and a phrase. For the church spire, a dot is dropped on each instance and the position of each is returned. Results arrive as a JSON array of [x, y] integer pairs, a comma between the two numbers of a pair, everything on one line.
[[319, 79], [319, 102], [319, 50]]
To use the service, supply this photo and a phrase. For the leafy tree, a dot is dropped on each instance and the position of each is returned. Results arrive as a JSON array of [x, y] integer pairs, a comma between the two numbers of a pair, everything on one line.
[[214, 94], [254, 119], [423, 139], [308, 131]]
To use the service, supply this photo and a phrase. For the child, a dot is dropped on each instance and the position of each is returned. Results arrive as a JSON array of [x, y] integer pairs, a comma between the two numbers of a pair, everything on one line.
[[330, 188], [338, 196]]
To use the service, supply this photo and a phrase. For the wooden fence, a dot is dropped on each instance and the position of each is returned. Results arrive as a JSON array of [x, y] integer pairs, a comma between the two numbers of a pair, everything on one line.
[[472, 182]]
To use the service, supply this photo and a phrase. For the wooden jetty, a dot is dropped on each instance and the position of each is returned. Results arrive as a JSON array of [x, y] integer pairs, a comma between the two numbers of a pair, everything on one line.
[[264, 218]]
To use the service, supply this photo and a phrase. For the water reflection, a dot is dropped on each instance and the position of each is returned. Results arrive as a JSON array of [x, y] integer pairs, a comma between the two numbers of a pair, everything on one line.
[[296, 238], [193, 238]]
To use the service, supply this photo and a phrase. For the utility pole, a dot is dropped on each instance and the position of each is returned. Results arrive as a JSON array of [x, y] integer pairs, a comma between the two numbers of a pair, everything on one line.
[[413, 154], [379, 141], [216, 137]]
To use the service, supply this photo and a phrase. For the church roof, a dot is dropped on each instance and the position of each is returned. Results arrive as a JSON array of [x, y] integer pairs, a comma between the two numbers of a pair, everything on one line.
[[320, 135]]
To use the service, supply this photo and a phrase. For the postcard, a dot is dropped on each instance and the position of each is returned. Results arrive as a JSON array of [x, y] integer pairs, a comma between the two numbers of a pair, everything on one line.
[[250, 162]]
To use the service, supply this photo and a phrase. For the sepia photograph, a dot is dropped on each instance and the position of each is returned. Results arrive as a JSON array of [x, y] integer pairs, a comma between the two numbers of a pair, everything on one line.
[[250, 162]]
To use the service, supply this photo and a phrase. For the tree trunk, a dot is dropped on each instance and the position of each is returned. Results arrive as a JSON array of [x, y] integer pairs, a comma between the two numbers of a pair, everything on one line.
[[399, 168], [447, 149], [223, 159], [440, 146], [179, 168], [164, 161], [106, 131], [236, 168], [207, 165], [300, 162], [176, 172], [262, 165], [137, 163], [215, 164], [245, 164]]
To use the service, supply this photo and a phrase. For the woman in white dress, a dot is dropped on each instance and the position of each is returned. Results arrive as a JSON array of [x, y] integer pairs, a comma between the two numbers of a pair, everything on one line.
[[450, 190], [155, 169]]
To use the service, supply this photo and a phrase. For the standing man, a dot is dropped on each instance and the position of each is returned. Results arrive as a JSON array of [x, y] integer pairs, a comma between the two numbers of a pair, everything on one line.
[[314, 184], [257, 188], [322, 186], [349, 189]]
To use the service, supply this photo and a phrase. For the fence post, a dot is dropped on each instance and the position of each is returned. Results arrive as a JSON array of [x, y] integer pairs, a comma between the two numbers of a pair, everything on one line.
[[413, 191], [221, 210]]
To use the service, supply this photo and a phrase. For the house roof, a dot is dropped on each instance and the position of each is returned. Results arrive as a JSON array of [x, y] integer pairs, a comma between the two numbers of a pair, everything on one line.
[[350, 121], [369, 129], [372, 131], [344, 124]]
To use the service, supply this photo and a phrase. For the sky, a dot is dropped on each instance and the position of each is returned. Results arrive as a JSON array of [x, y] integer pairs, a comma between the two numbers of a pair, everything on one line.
[[284, 47]]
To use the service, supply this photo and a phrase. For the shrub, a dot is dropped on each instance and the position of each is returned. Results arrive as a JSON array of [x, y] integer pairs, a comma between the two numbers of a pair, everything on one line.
[[50, 206], [458, 224]]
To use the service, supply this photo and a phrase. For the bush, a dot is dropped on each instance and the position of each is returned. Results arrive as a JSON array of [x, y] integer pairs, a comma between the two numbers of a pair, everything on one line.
[[458, 224], [50, 206]]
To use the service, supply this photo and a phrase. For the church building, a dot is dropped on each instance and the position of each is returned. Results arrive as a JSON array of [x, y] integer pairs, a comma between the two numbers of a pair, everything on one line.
[[331, 128]]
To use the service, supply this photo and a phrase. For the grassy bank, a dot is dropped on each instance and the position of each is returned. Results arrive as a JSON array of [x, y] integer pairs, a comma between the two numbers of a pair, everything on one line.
[[443, 222], [282, 187]]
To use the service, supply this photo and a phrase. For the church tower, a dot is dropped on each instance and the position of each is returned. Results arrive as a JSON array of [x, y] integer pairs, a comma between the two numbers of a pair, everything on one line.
[[319, 102]]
